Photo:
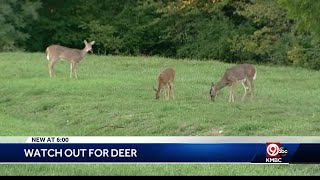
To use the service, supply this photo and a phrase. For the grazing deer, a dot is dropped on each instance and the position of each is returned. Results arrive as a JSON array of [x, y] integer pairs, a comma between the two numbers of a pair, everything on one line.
[[56, 52], [166, 79], [243, 73]]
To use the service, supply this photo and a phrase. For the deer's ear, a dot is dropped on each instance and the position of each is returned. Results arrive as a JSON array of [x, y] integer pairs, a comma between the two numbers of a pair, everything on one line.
[[212, 83], [92, 42], [85, 41]]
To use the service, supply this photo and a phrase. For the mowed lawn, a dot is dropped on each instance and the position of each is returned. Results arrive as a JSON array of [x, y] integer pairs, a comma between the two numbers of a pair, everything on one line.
[[118, 91]]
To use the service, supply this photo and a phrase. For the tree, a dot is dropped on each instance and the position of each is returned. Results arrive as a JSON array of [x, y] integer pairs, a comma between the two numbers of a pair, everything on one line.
[[270, 26], [15, 15], [305, 13], [306, 48]]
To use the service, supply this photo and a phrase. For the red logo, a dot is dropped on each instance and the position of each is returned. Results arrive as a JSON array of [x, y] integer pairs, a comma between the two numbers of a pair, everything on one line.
[[272, 149]]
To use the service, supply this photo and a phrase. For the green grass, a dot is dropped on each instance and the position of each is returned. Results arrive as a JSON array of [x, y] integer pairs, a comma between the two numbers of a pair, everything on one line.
[[118, 91]]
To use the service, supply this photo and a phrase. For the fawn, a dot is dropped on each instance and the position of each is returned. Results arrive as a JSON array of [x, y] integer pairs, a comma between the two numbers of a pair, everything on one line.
[[166, 79]]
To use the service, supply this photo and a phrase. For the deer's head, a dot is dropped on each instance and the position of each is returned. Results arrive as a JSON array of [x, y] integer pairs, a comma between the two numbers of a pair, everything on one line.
[[88, 45], [157, 93], [213, 92]]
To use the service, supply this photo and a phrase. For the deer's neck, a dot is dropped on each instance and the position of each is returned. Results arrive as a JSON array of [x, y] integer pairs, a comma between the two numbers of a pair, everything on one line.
[[83, 52], [223, 83]]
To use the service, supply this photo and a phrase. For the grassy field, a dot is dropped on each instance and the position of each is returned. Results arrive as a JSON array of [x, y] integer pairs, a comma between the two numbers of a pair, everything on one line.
[[118, 91]]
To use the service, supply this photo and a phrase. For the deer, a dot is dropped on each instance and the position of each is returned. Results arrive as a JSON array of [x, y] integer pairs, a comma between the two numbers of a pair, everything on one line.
[[244, 73], [165, 79], [74, 56]]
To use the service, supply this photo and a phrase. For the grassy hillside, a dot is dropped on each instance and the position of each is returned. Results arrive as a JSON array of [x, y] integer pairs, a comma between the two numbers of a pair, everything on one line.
[[118, 91]]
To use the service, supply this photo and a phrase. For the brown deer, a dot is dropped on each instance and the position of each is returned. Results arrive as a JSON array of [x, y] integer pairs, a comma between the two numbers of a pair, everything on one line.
[[166, 79], [56, 52], [244, 73]]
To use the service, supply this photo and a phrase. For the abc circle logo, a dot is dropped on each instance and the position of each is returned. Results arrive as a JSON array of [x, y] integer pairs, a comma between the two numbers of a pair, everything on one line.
[[283, 151]]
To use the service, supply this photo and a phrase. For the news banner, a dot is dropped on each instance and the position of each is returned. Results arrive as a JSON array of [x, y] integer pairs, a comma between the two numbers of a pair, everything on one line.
[[160, 149]]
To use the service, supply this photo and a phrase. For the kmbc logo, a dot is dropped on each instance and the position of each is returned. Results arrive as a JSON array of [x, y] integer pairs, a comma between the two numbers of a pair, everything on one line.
[[274, 152]]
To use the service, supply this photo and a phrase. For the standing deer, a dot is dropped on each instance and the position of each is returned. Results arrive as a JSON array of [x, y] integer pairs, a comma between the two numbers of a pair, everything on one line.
[[243, 73], [56, 52], [166, 79]]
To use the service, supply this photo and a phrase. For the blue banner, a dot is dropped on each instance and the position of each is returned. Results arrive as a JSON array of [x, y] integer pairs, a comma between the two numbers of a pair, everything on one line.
[[273, 152]]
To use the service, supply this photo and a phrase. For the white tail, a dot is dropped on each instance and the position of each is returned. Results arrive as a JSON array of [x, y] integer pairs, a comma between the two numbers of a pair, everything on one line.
[[245, 73], [166, 79], [56, 52]]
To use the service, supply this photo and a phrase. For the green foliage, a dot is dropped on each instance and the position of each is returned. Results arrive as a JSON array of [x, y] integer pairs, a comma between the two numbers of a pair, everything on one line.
[[209, 42], [305, 52], [60, 23], [108, 43], [15, 16], [269, 25], [230, 31], [305, 13]]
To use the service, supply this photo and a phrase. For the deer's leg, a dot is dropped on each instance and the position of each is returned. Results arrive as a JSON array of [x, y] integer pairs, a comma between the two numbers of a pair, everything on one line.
[[167, 91], [75, 69], [71, 68], [172, 90], [245, 86], [50, 68], [232, 92], [252, 89]]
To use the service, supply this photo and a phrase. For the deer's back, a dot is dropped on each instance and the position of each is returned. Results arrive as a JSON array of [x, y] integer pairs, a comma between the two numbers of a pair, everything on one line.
[[240, 72], [62, 52], [166, 75]]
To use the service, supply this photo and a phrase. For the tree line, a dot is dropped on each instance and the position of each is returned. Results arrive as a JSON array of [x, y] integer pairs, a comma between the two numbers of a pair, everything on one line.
[[280, 32]]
